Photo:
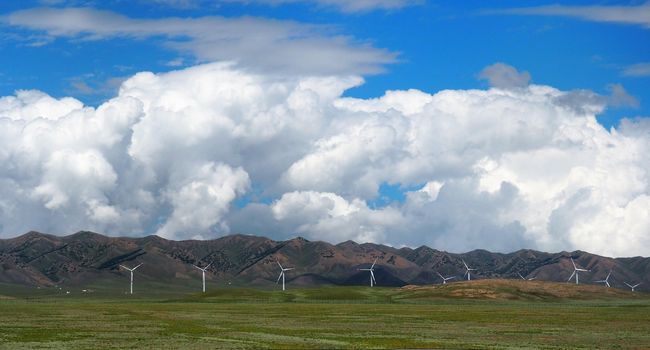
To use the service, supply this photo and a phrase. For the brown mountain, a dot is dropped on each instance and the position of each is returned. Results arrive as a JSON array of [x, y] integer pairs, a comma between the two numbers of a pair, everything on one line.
[[37, 259]]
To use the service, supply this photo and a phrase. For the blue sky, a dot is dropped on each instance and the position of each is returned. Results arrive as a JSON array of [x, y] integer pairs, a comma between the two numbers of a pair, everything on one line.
[[487, 141], [438, 45]]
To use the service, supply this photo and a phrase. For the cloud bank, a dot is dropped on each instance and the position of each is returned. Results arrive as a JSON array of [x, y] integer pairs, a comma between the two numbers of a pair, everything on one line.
[[214, 149]]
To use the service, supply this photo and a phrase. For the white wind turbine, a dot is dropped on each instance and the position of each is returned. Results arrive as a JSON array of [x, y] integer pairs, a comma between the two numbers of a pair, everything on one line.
[[606, 280], [576, 271], [524, 278], [203, 271], [282, 270], [445, 279], [632, 286], [467, 270], [372, 273], [133, 269]]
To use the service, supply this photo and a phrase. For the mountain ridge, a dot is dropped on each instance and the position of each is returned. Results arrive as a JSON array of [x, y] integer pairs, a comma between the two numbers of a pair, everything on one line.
[[40, 259]]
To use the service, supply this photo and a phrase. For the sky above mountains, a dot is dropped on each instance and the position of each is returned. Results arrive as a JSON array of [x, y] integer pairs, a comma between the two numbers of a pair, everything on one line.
[[477, 125]]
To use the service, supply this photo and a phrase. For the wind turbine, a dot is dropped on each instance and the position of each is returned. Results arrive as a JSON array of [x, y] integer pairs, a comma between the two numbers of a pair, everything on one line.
[[133, 269], [524, 278], [372, 273], [634, 286], [606, 280], [203, 271], [282, 270], [467, 272], [576, 270], [445, 279]]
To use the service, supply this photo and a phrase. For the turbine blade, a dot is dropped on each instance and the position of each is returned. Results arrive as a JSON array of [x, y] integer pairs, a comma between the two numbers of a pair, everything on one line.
[[373, 264], [137, 266], [288, 268], [628, 285], [372, 274], [281, 273], [574, 264], [440, 275], [208, 266], [279, 264], [467, 267], [520, 276], [574, 272]]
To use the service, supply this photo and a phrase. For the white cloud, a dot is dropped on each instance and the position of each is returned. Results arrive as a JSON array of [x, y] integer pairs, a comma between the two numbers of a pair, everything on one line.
[[346, 6], [631, 14], [501, 75], [637, 70], [201, 199], [619, 97], [32, 104], [500, 169], [255, 43]]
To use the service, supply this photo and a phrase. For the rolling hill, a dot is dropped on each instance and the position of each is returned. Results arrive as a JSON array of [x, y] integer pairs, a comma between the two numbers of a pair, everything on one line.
[[37, 259]]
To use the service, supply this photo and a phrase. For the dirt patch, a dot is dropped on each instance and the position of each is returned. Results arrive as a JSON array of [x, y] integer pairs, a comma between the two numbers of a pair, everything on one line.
[[517, 290]]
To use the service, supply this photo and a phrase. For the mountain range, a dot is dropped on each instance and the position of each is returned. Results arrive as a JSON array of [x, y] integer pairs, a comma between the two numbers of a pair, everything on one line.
[[86, 258]]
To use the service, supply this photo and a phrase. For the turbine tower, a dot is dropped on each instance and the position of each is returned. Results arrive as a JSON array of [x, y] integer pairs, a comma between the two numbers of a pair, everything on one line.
[[606, 280], [524, 278], [467, 270], [445, 279], [576, 271], [372, 273], [632, 286], [133, 269], [203, 271], [282, 270]]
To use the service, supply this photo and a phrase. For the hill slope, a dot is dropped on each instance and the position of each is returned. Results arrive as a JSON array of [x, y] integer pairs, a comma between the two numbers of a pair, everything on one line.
[[503, 289], [37, 259]]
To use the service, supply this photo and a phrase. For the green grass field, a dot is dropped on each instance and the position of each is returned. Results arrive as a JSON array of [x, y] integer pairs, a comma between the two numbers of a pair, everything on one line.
[[329, 317]]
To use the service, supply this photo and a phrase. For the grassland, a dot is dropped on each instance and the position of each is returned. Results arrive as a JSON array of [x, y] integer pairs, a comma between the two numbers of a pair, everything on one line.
[[329, 317]]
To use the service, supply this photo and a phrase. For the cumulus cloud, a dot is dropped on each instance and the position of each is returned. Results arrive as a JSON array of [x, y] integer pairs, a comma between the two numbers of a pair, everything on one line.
[[201, 199], [255, 43], [619, 97], [501, 75], [182, 153]]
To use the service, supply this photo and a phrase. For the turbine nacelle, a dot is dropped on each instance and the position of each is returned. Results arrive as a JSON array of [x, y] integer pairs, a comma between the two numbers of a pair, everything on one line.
[[282, 271], [606, 280], [372, 273], [467, 271], [632, 286], [203, 273], [445, 279], [131, 270], [576, 271]]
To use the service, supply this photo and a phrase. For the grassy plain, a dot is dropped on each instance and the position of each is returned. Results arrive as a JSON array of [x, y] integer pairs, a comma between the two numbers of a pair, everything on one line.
[[323, 318]]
